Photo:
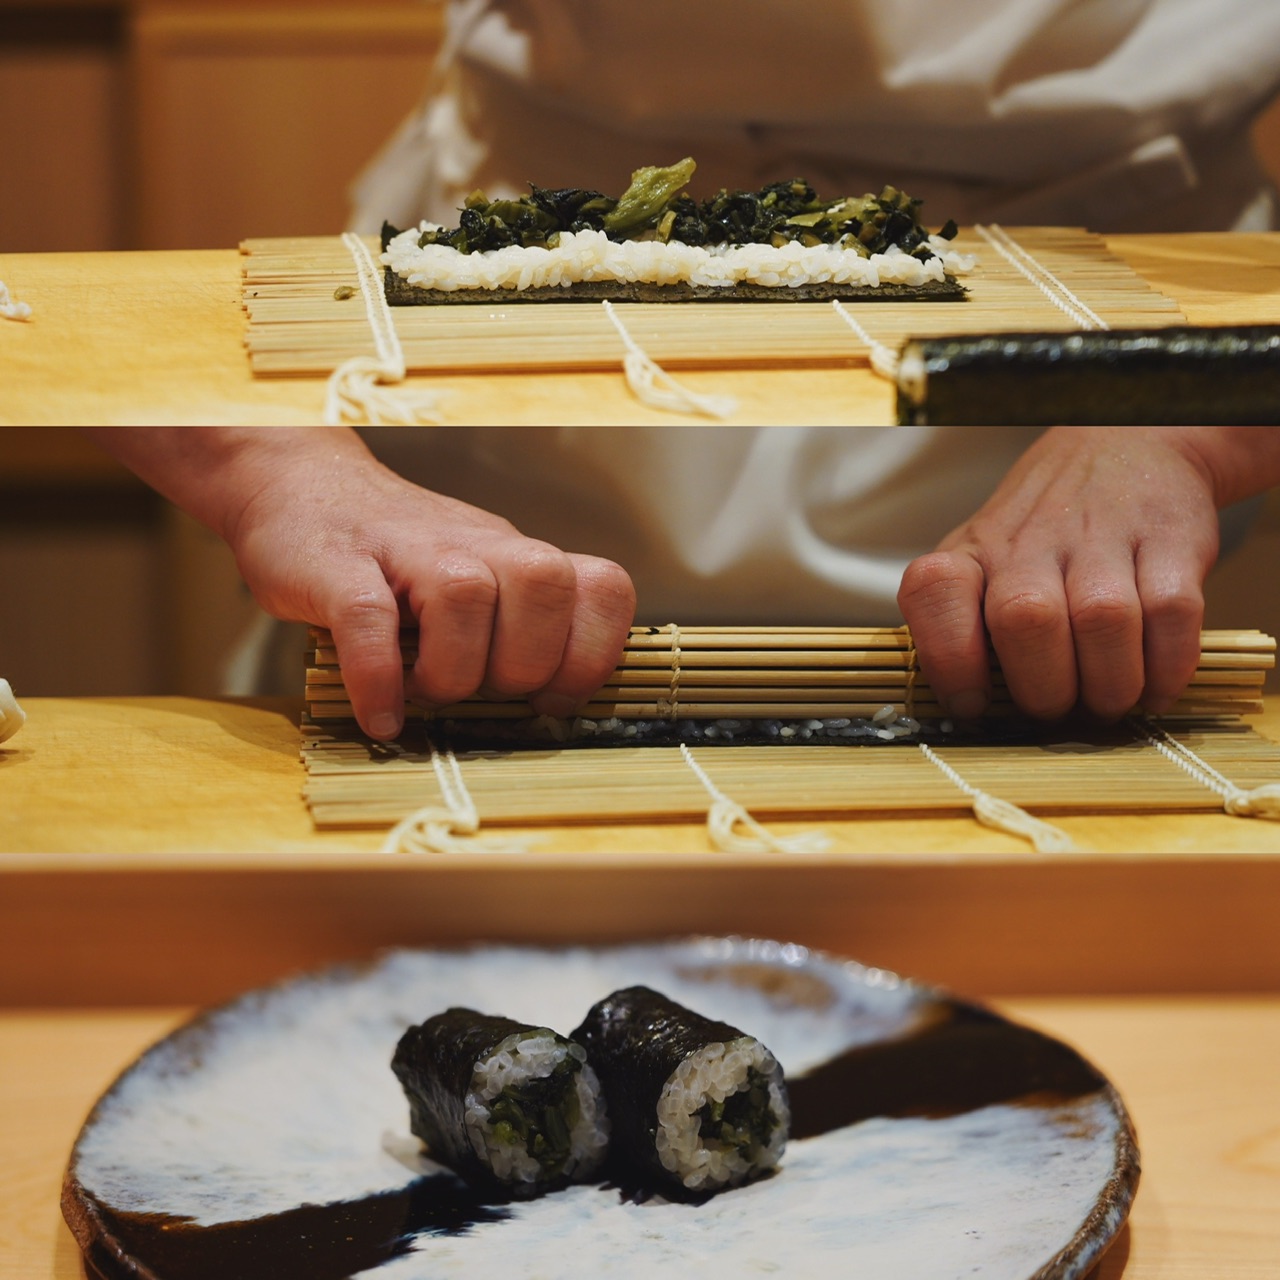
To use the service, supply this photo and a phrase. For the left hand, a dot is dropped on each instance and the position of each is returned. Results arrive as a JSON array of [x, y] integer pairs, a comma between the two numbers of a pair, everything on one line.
[[1085, 568]]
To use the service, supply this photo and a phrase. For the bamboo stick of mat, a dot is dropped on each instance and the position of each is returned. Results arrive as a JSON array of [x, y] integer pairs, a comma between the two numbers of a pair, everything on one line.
[[786, 673], [298, 326], [352, 783]]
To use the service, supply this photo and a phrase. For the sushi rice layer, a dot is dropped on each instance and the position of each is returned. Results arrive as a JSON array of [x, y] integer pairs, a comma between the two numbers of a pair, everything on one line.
[[591, 256], [711, 1075], [522, 1057]]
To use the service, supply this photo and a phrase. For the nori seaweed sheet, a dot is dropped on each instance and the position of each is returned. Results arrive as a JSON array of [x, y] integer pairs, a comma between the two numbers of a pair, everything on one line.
[[530, 734], [434, 1063], [402, 294], [635, 1038], [1177, 376]]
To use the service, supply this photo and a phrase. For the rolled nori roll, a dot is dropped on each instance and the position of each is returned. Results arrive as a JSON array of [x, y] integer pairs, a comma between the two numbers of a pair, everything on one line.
[[696, 1106], [511, 1108], [1182, 375]]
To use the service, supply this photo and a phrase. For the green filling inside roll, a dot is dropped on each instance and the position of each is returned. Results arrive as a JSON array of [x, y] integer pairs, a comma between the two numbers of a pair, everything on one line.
[[744, 1121], [539, 1116]]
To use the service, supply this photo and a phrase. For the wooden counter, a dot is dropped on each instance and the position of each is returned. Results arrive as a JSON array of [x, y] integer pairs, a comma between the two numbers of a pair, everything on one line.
[[157, 337], [160, 846]]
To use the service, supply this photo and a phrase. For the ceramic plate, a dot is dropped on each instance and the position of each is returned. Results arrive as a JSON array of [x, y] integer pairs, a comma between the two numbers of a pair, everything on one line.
[[931, 1138]]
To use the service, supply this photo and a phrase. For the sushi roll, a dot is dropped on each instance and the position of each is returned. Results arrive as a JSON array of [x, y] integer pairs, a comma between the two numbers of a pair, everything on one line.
[[1192, 375], [696, 1105], [512, 1108]]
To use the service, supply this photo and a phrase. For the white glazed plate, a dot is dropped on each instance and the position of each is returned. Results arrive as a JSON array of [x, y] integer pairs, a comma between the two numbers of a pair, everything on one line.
[[268, 1139]]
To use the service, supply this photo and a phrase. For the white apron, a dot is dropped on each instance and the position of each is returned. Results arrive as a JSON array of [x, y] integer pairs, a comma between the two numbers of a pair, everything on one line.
[[1111, 114]]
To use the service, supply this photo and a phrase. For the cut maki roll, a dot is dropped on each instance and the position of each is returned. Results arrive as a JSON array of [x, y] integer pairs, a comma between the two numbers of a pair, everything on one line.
[[511, 1108], [696, 1105]]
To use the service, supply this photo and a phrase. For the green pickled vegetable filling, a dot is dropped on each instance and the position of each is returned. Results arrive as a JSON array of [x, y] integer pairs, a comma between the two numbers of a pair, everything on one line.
[[743, 1122], [656, 206], [539, 1116]]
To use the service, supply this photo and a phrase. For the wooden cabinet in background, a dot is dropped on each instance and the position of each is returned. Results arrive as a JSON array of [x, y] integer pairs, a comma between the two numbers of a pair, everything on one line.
[[255, 122], [193, 124], [63, 129]]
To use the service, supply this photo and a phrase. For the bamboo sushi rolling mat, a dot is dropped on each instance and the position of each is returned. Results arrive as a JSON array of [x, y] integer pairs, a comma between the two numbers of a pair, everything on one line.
[[297, 326], [352, 781]]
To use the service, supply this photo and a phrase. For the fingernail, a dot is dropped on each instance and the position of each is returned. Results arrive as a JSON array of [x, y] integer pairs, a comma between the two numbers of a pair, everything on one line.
[[385, 725], [968, 704], [554, 704]]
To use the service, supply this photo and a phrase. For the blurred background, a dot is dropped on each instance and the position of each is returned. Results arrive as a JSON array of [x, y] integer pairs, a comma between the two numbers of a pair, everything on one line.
[[194, 123], [156, 124]]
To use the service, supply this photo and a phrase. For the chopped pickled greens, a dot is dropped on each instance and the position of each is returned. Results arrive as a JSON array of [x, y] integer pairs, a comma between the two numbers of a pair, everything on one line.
[[539, 1116], [657, 206], [743, 1122], [644, 203]]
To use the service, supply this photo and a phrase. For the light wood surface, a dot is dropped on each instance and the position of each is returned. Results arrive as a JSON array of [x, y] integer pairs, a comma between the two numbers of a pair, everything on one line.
[[157, 337], [160, 846], [1197, 1075]]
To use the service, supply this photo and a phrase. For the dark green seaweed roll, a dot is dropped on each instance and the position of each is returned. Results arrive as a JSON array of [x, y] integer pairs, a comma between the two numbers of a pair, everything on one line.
[[696, 1105], [508, 1106]]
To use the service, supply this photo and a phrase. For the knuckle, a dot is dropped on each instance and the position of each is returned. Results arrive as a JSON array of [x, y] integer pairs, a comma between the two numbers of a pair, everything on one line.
[[613, 583], [545, 571], [361, 612], [929, 576], [1026, 617], [1106, 616], [364, 628], [465, 584]]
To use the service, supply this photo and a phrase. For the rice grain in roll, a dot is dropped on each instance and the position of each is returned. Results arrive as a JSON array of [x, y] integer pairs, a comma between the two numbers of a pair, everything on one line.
[[510, 1107], [696, 1106]]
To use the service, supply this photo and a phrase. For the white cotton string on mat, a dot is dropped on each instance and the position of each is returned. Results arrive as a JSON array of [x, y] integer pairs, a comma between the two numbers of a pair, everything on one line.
[[669, 706], [12, 716], [451, 828], [884, 359], [654, 386], [1256, 802], [1001, 815], [358, 388], [1039, 275], [726, 815], [10, 307]]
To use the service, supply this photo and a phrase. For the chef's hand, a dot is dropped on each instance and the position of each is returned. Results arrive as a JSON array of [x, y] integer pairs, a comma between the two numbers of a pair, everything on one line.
[[324, 533], [1085, 570]]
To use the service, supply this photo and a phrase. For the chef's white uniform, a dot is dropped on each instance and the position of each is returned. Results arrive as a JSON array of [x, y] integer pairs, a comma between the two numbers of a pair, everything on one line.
[[1111, 114], [725, 524]]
